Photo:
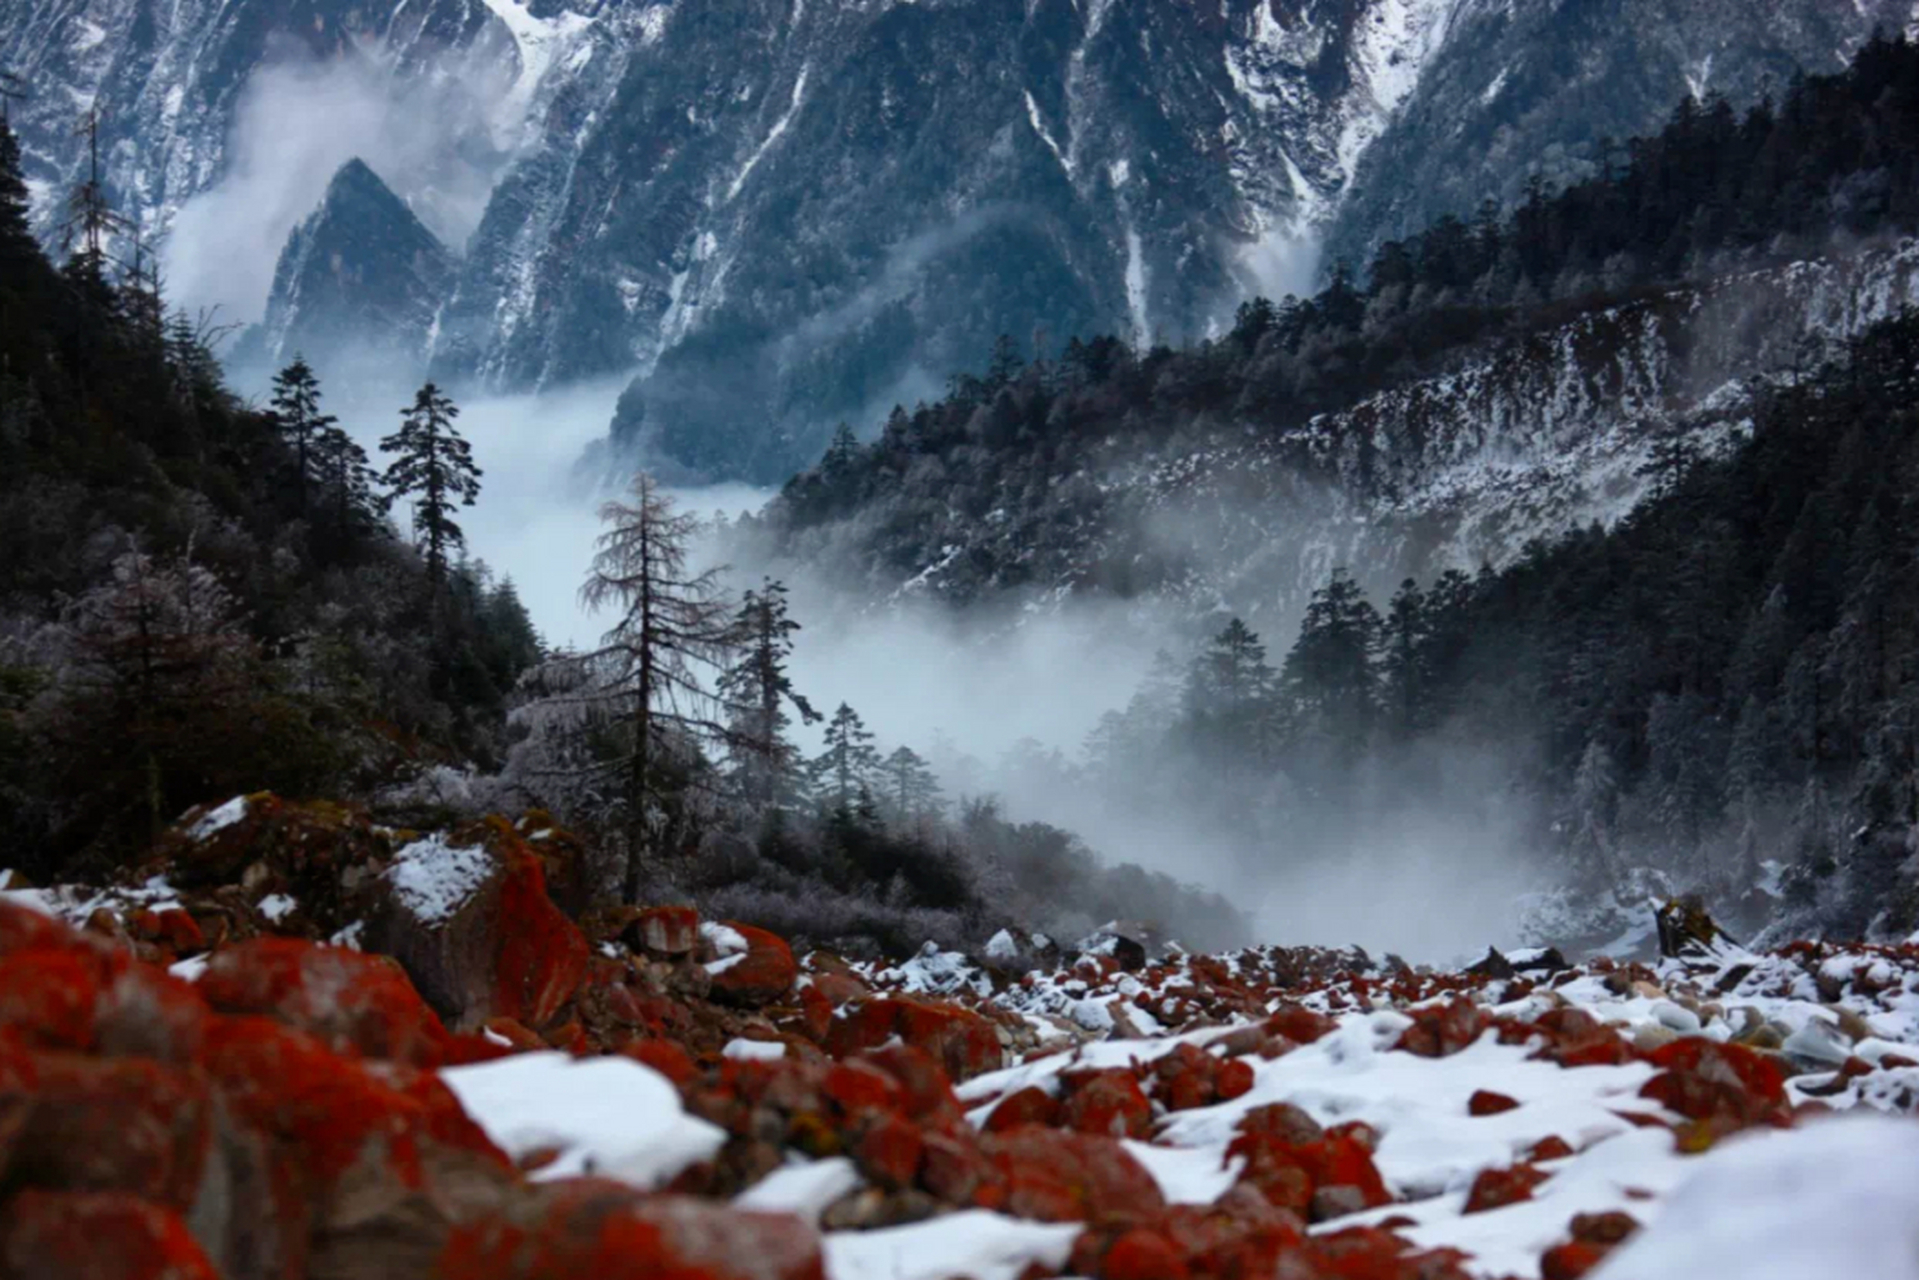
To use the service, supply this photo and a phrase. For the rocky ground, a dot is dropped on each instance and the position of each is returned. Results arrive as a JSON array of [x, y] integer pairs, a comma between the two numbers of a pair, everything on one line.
[[302, 1045]]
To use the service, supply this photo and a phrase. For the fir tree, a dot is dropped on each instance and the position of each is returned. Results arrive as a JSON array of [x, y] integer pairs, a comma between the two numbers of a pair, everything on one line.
[[846, 768], [296, 413], [19, 252], [911, 786], [757, 691], [341, 466], [1229, 694], [435, 465], [673, 625]]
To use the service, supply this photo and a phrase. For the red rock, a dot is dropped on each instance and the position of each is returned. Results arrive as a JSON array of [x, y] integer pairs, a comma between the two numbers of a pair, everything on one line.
[[1292, 1175], [1030, 1105], [1893, 1061], [1441, 1030], [146, 1013], [1485, 1102], [1282, 1120], [1609, 1228], [667, 1057], [587, 1227], [118, 1124], [1356, 1131], [1571, 1260], [1496, 1188], [1054, 1176], [53, 1235], [1141, 1254], [173, 929], [1185, 1077], [840, 988], [1725, 1084], [350, 1002], [542, 954], [503, 950], [330, 1113], [48, 997], [927, 1089], [1551, 1147], [669, 931], [1108, 1103], [963, 1042], [761, 974], [954, 1168], [1299, 1024], [1368, 1253], [816, 1014], [889, 1151], [24, 929], [1235, 1080]]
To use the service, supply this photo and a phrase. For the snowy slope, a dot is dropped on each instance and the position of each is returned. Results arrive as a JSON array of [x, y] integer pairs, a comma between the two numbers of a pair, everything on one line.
[[1526, 438]]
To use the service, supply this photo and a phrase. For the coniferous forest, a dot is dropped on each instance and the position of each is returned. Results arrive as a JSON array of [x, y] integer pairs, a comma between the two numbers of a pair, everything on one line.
[[208, 596], [1716, 690], [1414, 782]]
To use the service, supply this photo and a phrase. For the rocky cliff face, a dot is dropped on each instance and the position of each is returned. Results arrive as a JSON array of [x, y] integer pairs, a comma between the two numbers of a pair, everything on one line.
[[787, 214], [782, 213], [360, 279], [1525, 89], [1525, 438]]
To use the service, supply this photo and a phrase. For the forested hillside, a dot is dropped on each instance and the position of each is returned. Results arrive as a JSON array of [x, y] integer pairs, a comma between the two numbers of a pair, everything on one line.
[[1835, 163], [198, 596], [201, 598], [1716, 689]]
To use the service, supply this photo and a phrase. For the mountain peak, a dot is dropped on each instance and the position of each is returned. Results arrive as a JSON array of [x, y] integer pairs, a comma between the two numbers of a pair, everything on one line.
[[361, 277]]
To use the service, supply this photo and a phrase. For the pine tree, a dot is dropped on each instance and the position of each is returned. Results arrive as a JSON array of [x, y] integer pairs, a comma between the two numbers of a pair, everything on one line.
[[436, 464], [1595, 805], [1330, 671], [847, 766], [297, 416], [674, 624], [1329, 681], [341, 466], [18, 248], [160, 662], [911, 786], [757, 691], [90, 223], [1229, 694], [1406, 662]]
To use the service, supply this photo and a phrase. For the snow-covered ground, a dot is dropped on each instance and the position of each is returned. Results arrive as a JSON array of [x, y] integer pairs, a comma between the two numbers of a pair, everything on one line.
[[1835, 1196]]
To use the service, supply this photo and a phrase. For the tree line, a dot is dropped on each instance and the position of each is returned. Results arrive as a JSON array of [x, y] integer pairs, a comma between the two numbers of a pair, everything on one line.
[[1834, 160], [672, 743], [200, 597]]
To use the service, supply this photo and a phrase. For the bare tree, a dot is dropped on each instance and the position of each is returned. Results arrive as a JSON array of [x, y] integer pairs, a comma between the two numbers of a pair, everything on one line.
[[642, 689]]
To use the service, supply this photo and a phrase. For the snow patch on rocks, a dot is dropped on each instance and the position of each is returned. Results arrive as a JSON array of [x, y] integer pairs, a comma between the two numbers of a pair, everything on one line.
[[432, 878], [610, 1117]]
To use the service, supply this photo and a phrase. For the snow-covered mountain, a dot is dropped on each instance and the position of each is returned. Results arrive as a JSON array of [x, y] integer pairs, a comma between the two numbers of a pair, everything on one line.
[[781, 213], [1538, 89], [1526, 437], [361, 278]]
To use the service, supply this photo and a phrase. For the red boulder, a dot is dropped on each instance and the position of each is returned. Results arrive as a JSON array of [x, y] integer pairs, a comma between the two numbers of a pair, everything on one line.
[[52, 1235], [350, 1002], [761, 974]]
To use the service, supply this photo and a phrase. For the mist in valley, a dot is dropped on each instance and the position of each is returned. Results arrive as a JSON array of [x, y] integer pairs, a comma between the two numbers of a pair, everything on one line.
[[1001, 702]]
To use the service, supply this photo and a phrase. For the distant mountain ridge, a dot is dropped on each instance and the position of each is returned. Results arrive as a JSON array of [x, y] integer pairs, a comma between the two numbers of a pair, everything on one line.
[[782, 213], [361, 277]]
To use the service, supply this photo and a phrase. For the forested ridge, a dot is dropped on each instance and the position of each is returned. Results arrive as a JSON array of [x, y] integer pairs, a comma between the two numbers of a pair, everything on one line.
[[1717, 692], [1834, 161], [200, 598]]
